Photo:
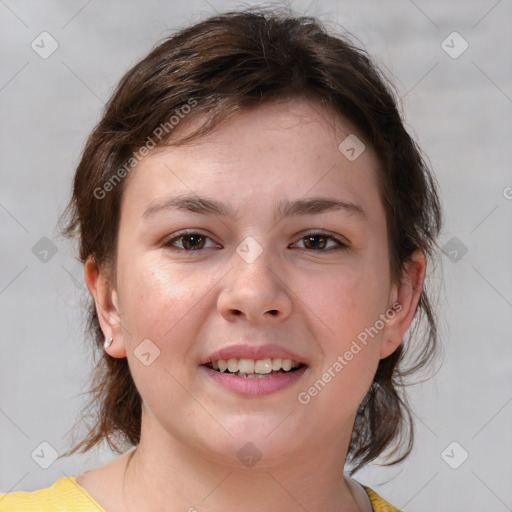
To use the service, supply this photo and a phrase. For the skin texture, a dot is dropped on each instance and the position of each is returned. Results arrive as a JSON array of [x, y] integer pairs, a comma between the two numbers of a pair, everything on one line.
[[190, 304]]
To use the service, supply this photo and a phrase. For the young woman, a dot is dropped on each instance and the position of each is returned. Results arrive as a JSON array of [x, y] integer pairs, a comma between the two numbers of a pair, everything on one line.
[[255, 225]]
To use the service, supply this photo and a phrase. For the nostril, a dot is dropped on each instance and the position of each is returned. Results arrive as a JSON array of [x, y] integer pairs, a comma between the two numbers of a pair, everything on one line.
[[273, 312]]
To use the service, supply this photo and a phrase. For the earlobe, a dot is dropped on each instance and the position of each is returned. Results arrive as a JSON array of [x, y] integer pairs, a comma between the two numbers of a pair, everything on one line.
[[404, 300], [107, 307]]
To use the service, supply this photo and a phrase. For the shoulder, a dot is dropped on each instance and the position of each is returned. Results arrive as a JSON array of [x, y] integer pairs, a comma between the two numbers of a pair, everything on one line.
[[64, 495], [67, 495], [379, 504]]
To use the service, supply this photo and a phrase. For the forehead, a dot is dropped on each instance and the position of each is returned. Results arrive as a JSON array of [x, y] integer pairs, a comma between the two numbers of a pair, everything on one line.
[[284, 150]]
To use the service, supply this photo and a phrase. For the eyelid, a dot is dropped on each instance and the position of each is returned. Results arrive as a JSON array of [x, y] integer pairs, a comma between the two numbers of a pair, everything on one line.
[[180, 234], [340, 241]]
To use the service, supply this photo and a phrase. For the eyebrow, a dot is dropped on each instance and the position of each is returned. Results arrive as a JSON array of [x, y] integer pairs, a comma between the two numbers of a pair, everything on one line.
[[285, 208]]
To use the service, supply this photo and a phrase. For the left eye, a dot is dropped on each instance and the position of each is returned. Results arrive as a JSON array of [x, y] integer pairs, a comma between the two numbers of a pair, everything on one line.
[[319, 241]]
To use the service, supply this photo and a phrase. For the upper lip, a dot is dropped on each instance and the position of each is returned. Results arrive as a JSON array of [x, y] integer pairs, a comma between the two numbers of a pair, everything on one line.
[[268, 351]]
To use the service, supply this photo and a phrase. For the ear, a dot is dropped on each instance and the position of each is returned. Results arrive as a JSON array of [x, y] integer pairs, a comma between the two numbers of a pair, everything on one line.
[[107, 306], [404, 300]]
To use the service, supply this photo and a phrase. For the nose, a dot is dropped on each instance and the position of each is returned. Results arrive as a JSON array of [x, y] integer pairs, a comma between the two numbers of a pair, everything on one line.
[[255, 290]]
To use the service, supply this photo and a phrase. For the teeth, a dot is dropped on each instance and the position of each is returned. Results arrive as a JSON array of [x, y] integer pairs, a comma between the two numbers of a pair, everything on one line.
[[246, 366], [250, 375], [263, 366], [254, 368], [276, 364]]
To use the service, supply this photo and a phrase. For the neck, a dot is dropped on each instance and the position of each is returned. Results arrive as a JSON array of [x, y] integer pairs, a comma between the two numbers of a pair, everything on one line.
[[166, 475]]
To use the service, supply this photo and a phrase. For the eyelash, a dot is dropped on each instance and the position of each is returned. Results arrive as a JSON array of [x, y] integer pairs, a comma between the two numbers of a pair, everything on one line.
[[340, 245]]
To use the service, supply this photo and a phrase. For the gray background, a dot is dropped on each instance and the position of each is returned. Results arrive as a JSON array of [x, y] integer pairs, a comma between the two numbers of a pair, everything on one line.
[[458, 108]]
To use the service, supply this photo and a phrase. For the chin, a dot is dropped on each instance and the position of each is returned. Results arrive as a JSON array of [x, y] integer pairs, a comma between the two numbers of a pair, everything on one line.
[[254, 442]]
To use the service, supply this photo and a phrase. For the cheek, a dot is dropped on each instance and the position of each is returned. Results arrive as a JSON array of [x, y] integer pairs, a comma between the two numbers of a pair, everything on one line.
[[156, 297], [346, 308], [347, 305], [159, 306], [347, 301]]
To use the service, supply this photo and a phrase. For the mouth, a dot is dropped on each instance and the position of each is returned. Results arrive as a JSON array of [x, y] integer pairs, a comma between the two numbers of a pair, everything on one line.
[[255, 368]]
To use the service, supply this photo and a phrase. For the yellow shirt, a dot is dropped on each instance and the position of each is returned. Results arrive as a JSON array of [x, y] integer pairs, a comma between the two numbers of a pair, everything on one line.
[[66, 495]]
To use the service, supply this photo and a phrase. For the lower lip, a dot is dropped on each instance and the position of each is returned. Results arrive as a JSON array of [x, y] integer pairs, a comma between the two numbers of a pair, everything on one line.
[[258, 386]]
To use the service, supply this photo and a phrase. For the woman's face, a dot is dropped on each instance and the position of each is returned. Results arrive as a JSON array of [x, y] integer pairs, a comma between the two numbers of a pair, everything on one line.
[[255, 264]]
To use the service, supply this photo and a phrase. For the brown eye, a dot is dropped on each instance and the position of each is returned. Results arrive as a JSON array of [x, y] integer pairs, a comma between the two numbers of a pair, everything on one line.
[[320, 241], [188, 242], [315, 242], [193, 242]]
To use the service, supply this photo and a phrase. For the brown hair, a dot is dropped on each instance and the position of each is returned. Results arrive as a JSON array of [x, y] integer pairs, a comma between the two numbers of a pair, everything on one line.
[[226, 63]]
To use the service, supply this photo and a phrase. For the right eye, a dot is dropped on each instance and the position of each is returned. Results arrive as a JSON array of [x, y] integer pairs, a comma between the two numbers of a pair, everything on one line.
[[190, 241]]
